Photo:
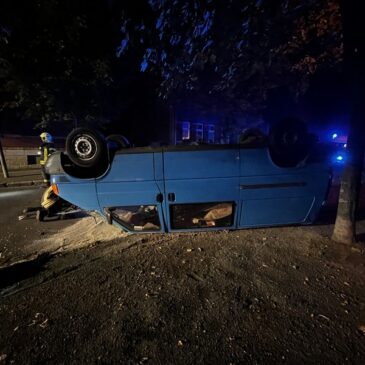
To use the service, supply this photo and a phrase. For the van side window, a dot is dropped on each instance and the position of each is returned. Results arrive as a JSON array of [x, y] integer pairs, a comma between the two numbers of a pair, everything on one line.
[[137, 217], [201, 215]]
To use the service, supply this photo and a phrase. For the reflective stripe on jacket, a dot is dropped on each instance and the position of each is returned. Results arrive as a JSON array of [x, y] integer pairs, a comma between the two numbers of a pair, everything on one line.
[[44, 153]]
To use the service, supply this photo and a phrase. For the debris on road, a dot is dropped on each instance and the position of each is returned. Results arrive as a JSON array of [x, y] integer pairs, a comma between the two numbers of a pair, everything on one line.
[[85, 232]]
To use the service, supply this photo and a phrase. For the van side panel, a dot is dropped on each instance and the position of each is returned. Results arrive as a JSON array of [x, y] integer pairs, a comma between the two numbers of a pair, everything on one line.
[[203, 164], [131, 182], [81, 193], [208, 176], [271, 195]]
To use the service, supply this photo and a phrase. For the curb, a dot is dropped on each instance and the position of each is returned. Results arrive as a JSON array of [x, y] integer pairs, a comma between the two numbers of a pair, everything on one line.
[[11, 184]]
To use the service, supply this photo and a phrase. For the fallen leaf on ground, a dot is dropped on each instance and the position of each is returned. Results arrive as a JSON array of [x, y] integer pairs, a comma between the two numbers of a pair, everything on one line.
[[44, 324], [361, 328], [3, 357], [324, 317]]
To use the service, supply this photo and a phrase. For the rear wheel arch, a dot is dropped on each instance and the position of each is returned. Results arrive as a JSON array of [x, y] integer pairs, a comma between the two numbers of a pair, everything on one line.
[[289, 142]]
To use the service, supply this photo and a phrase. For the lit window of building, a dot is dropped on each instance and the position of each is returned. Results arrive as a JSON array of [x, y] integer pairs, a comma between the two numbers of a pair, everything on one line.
[[185, 130], [199, 135], [211, 133]]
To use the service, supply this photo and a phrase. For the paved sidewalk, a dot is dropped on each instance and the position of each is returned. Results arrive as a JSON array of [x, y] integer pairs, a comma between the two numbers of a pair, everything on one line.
[[22, 177]]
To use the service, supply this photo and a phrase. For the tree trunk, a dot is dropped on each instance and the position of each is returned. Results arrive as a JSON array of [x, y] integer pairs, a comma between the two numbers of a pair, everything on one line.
[[345, 226]]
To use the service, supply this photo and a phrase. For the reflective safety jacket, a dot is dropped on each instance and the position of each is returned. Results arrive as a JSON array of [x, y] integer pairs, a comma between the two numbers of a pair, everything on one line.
[[49, 198], [45, 150]]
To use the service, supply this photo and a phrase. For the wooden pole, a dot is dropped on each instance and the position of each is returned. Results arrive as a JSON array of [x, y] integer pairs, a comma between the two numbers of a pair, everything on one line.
[[3, 162]]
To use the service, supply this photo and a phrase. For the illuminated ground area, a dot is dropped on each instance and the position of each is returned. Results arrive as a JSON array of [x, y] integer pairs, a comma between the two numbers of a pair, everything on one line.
[[265, 295]]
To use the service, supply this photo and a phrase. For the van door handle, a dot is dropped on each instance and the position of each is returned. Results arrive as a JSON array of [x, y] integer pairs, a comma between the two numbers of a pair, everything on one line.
[[159, 198], [171, 197]]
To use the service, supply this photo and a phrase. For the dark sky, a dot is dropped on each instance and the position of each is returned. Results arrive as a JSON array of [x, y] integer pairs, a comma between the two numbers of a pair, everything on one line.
[[130, 101]]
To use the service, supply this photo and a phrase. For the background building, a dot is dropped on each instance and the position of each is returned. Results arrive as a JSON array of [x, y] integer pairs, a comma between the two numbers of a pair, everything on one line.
[[202, 132], [22, 151]]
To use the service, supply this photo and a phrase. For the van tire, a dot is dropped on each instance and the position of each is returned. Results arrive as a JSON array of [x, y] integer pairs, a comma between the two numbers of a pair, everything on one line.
[[86, 147]]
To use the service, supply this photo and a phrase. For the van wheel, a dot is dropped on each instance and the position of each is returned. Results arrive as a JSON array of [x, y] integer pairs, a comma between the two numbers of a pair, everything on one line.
[[86, 147], [289, 142]]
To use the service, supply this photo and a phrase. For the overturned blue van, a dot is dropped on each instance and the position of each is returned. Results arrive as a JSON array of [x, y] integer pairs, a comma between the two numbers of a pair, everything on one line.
[[190, 187]]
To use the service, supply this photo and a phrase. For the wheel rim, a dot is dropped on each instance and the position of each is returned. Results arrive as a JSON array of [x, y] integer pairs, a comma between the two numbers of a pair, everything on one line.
[[290, 138], [85, 147]]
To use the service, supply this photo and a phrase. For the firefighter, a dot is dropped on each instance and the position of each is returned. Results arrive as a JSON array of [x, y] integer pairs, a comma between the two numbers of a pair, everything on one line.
[[45, 150]]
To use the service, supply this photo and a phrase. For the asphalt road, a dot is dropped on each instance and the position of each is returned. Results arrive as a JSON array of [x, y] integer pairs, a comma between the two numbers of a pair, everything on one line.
[[15, 235], [13, 200]]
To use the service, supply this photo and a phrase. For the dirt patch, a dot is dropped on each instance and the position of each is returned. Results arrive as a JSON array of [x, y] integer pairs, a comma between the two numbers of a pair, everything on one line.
[[277, 295], [87, 231]]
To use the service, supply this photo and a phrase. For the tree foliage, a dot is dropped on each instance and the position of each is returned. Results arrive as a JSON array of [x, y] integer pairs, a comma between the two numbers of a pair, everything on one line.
[[235, 50], [55, 60]]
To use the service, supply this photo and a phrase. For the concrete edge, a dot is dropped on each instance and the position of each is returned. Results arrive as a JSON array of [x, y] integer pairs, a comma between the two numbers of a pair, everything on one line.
[[11, 184]]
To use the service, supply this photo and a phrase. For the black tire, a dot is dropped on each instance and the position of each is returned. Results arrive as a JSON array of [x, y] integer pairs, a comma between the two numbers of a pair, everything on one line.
[[85, 147], [119, 140], [289, 142]]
